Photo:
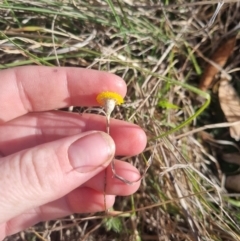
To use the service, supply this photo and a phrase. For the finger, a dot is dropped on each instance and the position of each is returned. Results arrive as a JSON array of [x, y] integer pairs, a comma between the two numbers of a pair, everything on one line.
[[38, 88], [80, 200], [115, 186], [85, 199], [37, 128], [36, 176]]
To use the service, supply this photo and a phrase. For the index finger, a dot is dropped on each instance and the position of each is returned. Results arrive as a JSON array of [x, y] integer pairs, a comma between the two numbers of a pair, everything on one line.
[[39, 88]]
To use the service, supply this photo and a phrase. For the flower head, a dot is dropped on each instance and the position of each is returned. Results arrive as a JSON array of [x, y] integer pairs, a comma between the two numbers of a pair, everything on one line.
[[106, 95], [108, 100]]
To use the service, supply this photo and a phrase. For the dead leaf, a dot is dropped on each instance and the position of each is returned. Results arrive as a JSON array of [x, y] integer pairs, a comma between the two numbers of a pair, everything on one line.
[[231, 158], [233, 182], [230, 104], [219, 57]]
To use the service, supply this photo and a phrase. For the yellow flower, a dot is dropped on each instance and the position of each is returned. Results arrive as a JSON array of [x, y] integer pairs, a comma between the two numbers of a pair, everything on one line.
[[108, 100], [107, 95]]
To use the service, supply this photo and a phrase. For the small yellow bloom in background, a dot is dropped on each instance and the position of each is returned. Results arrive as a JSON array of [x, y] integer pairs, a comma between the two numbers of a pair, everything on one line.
[[108, 100]]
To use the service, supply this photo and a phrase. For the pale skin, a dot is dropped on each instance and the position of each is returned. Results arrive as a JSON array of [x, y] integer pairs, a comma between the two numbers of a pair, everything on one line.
[[52, 163]]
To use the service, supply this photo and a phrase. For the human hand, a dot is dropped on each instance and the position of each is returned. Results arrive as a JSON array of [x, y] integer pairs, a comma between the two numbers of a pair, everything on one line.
[[52, 163]]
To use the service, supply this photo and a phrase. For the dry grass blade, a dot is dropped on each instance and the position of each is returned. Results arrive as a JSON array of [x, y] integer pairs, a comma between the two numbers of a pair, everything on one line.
[[230, 104], [220, 58]]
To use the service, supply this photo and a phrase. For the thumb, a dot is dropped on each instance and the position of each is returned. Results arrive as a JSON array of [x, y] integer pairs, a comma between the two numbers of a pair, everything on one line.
[[39, 175]]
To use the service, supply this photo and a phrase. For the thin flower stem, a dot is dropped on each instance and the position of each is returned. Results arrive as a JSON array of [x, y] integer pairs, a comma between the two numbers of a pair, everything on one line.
[[109, 100], [105, 172]]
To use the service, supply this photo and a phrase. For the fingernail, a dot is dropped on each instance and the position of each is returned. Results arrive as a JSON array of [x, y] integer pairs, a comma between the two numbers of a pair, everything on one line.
[[91, 151]]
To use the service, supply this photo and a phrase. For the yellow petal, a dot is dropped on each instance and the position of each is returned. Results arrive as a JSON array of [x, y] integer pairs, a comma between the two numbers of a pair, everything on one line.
[[106, 95]]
